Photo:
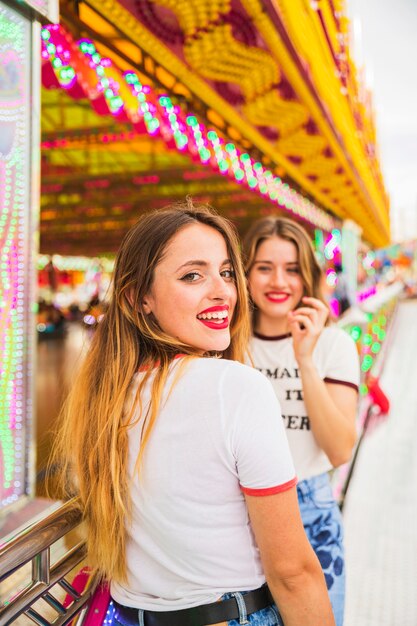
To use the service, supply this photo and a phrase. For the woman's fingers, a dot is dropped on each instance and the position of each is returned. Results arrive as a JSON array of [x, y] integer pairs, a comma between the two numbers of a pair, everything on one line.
[[306, 311], [314, 302], [318, 305], [304, 322], [312, 314]]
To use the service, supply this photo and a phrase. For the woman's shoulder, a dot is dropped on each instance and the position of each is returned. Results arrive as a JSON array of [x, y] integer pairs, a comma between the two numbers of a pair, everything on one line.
[[229, 371], [236, 392], [334, 333], [334, 337], [224, 365]]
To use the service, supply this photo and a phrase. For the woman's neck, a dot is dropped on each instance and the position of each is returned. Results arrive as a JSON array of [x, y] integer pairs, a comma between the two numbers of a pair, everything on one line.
[[271, 327]]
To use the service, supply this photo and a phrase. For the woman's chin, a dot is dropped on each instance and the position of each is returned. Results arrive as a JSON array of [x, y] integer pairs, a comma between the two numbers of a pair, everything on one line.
[[220, 345]]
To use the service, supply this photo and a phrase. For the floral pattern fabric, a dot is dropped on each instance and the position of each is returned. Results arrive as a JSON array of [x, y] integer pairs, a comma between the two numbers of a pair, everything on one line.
[[323, 525]]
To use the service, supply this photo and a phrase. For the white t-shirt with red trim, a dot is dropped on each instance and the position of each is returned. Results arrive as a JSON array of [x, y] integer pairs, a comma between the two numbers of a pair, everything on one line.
[[216, 436], [336, 359]]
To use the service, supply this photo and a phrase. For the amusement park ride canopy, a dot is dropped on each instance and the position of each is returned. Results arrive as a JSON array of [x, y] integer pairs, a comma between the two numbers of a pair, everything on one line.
[[255, 106]]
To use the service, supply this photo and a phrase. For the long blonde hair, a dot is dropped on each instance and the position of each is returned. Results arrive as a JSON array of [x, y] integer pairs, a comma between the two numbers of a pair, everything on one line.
[[92, 443], [284, 228]]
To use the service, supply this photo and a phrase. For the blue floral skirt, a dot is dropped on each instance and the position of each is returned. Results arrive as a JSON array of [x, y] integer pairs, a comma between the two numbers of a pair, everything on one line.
[[323, 525]]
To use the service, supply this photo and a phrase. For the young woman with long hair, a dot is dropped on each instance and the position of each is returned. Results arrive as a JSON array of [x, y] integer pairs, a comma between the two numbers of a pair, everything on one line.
[[314, 370], [182, 468]]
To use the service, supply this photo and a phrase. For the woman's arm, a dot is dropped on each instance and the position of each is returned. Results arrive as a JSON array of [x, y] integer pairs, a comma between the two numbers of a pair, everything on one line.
[[331, 407], [293, 572]]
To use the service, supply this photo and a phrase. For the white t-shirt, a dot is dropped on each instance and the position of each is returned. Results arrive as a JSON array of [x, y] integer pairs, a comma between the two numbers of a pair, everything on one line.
[[336, 359], [216, 436]]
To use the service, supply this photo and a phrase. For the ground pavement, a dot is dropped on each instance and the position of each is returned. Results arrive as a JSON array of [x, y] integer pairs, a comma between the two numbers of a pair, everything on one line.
[[381, 506]]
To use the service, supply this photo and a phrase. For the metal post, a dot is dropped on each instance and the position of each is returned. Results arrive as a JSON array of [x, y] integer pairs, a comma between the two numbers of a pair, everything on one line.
[[40, 567]]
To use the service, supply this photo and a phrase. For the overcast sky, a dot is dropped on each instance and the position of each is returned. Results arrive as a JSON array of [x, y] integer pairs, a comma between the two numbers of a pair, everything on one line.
[[385, 42]]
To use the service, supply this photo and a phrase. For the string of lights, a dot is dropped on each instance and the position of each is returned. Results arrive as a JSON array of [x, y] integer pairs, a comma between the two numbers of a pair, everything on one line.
[[80, 68], [15, 405]]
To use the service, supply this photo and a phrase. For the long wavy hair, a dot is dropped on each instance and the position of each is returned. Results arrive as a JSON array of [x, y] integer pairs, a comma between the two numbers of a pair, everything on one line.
[[285, 228], [92, 443]]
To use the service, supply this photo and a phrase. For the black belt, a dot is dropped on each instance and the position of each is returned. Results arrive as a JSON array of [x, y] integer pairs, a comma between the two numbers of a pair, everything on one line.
[[205, 614]]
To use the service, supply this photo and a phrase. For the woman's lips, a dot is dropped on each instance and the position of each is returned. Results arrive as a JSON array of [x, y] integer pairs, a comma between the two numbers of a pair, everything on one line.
[[219, 325], [273, 296], [219, 308], [216, 317]]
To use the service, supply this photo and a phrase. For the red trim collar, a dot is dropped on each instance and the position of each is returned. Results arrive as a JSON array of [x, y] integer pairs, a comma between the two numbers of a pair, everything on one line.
[[276, 338], [144, 368]]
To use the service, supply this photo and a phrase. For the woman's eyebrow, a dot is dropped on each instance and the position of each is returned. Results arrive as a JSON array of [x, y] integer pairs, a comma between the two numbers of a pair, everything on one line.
[[200, 263]]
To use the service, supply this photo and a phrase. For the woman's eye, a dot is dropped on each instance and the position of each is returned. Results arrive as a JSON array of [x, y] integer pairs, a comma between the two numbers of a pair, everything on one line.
[[191, 277], [263, 268], [293, 270], [230, 274]]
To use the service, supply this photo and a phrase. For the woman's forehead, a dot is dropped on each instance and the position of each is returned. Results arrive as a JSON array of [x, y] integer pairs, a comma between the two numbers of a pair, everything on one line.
[[277, 247], [197, 241]]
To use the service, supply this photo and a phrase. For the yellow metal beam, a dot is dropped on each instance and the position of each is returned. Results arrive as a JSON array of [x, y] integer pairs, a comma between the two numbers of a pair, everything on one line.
[[376, 226]]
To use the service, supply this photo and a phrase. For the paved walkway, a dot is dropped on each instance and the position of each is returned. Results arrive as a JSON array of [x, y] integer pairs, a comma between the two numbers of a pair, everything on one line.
[[381, 505]]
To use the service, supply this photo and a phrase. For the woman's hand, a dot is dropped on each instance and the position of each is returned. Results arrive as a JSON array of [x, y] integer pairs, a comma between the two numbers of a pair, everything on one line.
[[306, 324]]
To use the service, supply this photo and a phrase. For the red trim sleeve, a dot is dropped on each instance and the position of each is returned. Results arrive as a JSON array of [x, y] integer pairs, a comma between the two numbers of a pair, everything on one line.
[[270, 491], [341, 382]]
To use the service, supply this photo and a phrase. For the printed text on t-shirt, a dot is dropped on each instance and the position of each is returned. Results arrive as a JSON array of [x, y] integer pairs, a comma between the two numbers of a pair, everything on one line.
[[292, 422], [280, 372]]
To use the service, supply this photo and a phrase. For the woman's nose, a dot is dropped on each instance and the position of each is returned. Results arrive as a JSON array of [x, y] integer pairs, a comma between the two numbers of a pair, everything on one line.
[[278, 277], [221, 290]]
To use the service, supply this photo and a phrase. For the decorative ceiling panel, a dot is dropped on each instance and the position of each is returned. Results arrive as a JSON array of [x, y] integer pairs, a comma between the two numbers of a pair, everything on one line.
[[281, 64], [124, 134], [288, 94]]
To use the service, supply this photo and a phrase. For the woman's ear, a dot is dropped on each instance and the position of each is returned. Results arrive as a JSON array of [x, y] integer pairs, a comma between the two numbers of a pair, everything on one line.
[[130, 298], [147, 304]]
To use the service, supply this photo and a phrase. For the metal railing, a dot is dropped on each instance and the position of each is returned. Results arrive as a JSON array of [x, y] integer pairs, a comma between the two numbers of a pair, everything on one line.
[[33, 545], [372, 410]]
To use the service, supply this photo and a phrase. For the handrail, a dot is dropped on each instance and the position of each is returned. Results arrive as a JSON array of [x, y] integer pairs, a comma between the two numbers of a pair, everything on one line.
[[24, 547], [371, 411], [369, 408], [33, 544]]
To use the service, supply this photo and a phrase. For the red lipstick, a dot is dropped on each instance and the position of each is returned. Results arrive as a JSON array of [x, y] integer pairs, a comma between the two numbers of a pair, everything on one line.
[[214, 309], [277, 296], [215, 323]]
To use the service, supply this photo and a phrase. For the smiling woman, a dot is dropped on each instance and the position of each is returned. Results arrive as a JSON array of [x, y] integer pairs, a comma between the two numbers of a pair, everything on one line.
[[315, 373], [194, 289], [164, 450]]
